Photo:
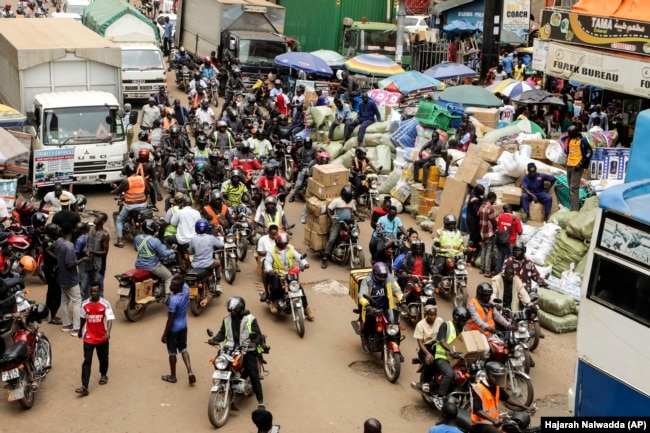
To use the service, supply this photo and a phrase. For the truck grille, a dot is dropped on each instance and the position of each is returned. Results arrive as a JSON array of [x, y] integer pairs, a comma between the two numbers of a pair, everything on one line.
[[89, 167]]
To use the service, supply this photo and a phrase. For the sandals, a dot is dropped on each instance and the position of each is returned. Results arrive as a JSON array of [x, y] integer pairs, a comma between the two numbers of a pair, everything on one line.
[[119, 244], [192, 379], [168, 378], [82, 390], [103, 380]]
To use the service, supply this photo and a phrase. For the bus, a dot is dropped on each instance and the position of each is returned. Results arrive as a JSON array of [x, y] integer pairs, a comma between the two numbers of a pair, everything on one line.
[[614, 318]]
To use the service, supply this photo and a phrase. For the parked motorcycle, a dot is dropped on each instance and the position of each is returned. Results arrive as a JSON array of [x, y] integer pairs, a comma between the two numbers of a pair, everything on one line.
[[229, 381], [14, 284], [417, 291], [285, 159], [514, 355], [347, 248], [203, 287], [528, 316], [452, 281], [291, 300], [386, 338], [24, 364], [133, 222], [228, 257], [511, 422], [27, 241]]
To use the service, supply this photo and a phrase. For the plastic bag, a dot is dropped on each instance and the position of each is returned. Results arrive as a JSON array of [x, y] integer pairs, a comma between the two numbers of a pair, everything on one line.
[[390, 182], [511, 164], [498, 179], [570, 283], [567, 250], [394, 118], [562, 218], [559, 325], [555, 152], [317, 116], [384, 159], [377, 128], [541, 245], [335, 149], [528, 233]]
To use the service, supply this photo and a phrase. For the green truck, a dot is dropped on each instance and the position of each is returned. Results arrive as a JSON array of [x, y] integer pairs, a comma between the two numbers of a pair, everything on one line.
[[373, 38]]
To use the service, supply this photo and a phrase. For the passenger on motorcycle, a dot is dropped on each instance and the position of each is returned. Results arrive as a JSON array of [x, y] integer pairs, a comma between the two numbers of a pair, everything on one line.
[[245, 160], [208, 70], [416, 262], [217, 212], [222, 137], [202, 247], [180, 112], [509, 288], [358, 168], [426, 333], [251, 109], [304, 158], [390, 224], [276, 90], [380, 211], [184, 220], [277, 263], [483, 313], [450, 241], [270, 183], [236, 329], [486, 396], [147, 170], [168, 120], [205, 113], [198, 84], [525, 269], [383, 289], [271, 214], [179, 181], [151, 253], [339, 209], [135, 191], [177, 203], [234, 191], [261, 146]]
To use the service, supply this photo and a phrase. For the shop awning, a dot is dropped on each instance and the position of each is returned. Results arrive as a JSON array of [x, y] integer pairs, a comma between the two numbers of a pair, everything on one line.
[[627, 9], [449, 4]]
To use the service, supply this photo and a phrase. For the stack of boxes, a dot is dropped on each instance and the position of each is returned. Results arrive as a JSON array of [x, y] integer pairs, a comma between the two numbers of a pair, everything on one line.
[[609, 163], [428, 197], [324, 185]]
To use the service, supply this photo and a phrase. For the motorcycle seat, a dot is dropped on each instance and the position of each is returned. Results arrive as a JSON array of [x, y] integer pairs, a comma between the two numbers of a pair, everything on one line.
[[14, 281], [463, 420], [198, 274], [4, 236], [15, 354], [138, 274]]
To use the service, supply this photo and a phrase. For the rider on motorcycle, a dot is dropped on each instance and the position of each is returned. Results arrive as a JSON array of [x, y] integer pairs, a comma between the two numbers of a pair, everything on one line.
[[7, 12], [201, 153], [151, 253], [251, 109], [483, 312], [147, 169], [277, 263], [215, 170], [177, 141], [509, 288], [233, 121], [177, 203], [233, 84], [360, 163], [217, 212], [222, 137], [182, 58], [245, 159], [202, 247], [389, 224], [234, 191], [272, 214], [208, 70], [179, 181], [304, 158], [270, 183], [198, 84], [135, 191], [416, 262], [205, 113], [382, 288], [236, 329], [448, 243], [261, 146], [339, 209]]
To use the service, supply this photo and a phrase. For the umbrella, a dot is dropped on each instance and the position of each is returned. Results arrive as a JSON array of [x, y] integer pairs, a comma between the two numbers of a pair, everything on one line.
[[446, 70], [500, 85], [332, 58], [374, 65], [537, 96], [514, 89], [460, 26], [11, 149], [410, 82], [470, 96], [10, 117], [305, 62], [510, 38]]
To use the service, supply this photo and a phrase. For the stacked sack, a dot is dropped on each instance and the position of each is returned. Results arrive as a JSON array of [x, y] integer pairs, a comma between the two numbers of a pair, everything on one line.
[[558, 312]]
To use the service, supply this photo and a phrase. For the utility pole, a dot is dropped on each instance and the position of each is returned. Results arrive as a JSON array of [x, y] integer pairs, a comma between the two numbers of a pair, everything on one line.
[[492, 18], [399, 40]]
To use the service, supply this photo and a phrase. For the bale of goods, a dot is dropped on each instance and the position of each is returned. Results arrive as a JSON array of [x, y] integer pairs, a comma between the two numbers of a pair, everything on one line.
[[562, 218], [582, 226], [319, 116], [345, 159], [556, 303], [557, 324], [390, 182], [567, 250], [335, 149]]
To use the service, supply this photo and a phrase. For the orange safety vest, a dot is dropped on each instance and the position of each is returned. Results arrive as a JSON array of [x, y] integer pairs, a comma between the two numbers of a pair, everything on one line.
[[485, 317], [136, 192], [213, 215], [490, 403], [168, 123], [267, 183]]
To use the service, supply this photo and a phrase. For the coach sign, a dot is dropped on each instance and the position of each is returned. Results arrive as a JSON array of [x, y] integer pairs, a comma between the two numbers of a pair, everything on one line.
[[516, 15]]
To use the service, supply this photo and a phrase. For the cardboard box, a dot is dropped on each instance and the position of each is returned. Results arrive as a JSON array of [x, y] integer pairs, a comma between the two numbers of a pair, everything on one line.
[[511, 195], [356, 276], [473, 344], [538, 146], [315, 241], [487, 116], [331, 174], [319, 225], [510, 147], [490, 152], [472, 168], [321, 191], [317, 207], [452, 200], [537, 212]]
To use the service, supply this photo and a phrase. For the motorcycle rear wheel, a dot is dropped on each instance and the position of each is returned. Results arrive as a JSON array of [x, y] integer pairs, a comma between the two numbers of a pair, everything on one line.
[[28, 398], [230, 270], [219, 415], [242, 250], [41, 274], [131, 313], [288, 172], [195, 306], [392, 366], [357, 259]]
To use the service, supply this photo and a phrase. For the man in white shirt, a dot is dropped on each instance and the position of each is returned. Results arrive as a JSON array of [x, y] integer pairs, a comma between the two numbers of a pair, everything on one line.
[[264, 245], [595, 122], [500, 74], [185, 220], [150, 112], [205, 113], [261, 146], [507, 112], [53, 198]]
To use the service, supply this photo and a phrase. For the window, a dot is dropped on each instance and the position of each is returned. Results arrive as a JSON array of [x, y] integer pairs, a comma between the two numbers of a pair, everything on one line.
[[621, 288], [254, 52], [142, 60], [377, 41], [81, 125]]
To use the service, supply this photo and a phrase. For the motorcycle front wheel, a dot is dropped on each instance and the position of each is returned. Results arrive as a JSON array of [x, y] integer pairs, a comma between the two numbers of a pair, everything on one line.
[[195, 306], [219, 407], [521, 389], [357, 259], [533, 341], [288, 171], [242, 249], [41, 274], [28, 395], [392, 366], [460, 295], [300, 322], [230, 269]]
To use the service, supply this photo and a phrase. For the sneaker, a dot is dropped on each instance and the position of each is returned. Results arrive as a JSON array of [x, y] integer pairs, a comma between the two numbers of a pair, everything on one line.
[[272, 308], [323, 264], [438, 401], [66, 328], [55, 321], [74, 333], [303, 220], [292, 199]]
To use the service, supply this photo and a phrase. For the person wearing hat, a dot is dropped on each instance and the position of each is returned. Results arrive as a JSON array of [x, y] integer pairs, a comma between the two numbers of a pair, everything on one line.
[[54, 198], [535, 188], [263, 420], [150, 113], [65, 215]]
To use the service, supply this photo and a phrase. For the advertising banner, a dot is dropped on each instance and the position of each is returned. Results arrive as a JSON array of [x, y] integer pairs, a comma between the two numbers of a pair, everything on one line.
[[55, 165], [8, 192], [540, 53], [516, 16]]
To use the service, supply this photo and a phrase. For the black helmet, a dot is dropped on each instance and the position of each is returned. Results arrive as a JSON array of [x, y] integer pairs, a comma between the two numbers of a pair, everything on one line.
[[519, 245], [214, 156], [269, 170], [418, 243], [379, 272], [484, 291], [201, 139], [182, 50], [460, 314], [282, 118], [215, 196], [39, 219], [179, 164], [81, 202], [449, 219], [496, 373], [270, 200], [361, 151], [250, 99], [347, 193], [175, 130], [143, 136], [129, 169], [150, 226], [236, 305], [39, 312]]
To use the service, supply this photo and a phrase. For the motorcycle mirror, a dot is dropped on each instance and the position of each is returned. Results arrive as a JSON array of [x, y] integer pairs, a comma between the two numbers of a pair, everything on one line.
[[210, 333], [497, 301], [291, 226], [303, 256]]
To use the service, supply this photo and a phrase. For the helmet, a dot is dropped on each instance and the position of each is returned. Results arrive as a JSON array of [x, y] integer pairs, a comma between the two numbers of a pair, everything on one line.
[[282, 118], [143, 136], [236, 71], [39, 219], [361, 151], [143, 155], [236, 173], [149, 226], [269, 170], [214, 196], [323, 157], [418, 243], [214, 156], [207, 59], [28, 263], [179, 164], [448, 220], [129, 169], [246, 146], [308, 140], [281, 240], [250, 99], [276, 82], [127, 107], [187, 201], [270, 200], [236, 305], [8, 6], [496, 373], [484, 291], [379, 272], [81, 202], [519, 245], [201, 139], [222, 123], [460, 314], [175, 130], [205, 101], [182, 50], [201, 226], [346, 193]]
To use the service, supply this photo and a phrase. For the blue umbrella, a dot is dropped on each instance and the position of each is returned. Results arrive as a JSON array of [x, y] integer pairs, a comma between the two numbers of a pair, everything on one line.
[[447, 70], [305, 62], [410, 82], [460, 26], [332, 58]]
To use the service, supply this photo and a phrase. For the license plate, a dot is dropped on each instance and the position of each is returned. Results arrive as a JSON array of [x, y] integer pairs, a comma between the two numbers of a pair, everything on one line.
[[297, 294], [519, 335], [223, 375], [123, 291], [87, 177], [194, 291], [16, 394], [10, 374], [23, 306]]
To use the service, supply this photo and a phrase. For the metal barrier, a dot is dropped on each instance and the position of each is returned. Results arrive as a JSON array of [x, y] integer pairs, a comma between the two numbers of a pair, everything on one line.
[[427, 54]]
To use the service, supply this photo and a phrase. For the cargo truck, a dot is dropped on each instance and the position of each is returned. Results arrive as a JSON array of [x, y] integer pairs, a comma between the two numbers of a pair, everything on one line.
[[248, 30], [143, 68], [69, 87], [374, 38]]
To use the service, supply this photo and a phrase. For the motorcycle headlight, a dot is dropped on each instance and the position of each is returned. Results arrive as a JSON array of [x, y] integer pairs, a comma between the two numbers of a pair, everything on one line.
[[355, 232], [428, 290], [221, 362], [518, 352], [373, 184], [392, 330], [20, 297], [460, 266], [230, 238], [294, 286], [522, 327]]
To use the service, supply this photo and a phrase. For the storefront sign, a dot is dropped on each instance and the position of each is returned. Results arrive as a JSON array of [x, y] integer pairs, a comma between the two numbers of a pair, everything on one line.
[[470, 12], [8, 192], [540, 53], [55, 165], [516, 15], [596, 32], [599, 69]]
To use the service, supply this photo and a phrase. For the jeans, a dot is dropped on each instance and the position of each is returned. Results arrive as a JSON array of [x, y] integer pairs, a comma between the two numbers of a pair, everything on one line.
[[503, 252], [84, 282], [543, 198], [333, 126], [486, 254], [87, 276], [123, 215], [300, 181], [444, 367], [334, 234], [164, 274], [428, 370], [349, 128], [167, 45], [102, 355], [53, 296], [573, 175], [71, 294]]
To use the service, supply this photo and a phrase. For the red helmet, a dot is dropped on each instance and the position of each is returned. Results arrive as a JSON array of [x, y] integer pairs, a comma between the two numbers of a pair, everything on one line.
[[281, 240], [143, 155], [8, 6], [207, 59]]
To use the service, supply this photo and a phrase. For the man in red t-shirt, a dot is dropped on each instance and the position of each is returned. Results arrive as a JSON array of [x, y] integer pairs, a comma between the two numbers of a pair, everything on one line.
[[97, 315], [510, 223], [270, 183]]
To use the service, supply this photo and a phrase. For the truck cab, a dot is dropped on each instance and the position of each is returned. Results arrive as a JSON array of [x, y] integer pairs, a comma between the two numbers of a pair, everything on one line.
[[255, 50], [374, 38], [143, 70]]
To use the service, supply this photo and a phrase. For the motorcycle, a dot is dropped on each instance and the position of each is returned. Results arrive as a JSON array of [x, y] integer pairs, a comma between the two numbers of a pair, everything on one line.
[[24, 364], [391, 246], [285, 159], [347, 247], [228, 257], [452, 280], [368, 197], [213, 91], [385, 339], [139, 288], [417, 291], [530, 316], [514, 355], [243, 232], [229, 381], [511, 422], [203, 287], [26, 241], [14, 284], [291, 301], [261, 92], [133, 222]]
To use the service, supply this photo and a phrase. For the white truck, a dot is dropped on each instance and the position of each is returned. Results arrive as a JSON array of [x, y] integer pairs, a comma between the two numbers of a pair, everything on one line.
[[143, 68], [69, 87]]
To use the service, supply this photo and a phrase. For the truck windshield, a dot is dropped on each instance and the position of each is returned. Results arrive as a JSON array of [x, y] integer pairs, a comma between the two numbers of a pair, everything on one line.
[[253, 52], [81, 125], [142, 60], [381, 41]]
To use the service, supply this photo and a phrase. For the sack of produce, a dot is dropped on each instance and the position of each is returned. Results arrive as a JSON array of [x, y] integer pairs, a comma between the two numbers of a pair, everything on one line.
[[582, 226], [559, 325], [556, 303], [566, 251]]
